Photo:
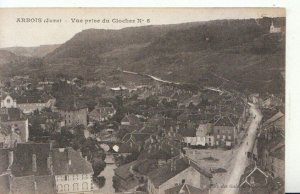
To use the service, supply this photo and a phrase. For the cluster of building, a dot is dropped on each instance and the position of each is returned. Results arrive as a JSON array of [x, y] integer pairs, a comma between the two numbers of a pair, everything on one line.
[[146, 144], [266, 172], [40, 168]]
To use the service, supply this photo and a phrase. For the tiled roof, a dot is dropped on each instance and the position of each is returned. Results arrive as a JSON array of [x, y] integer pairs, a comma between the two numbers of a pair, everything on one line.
[[123, 171], [33, 184], [45, 184], [268, 113], [61, 165], [224, 121], [187, 132], [185, 189], [278, 151], [4, 183], [145, 166], [70, 105], [102, 112], [256, 172], [157, 151], [23, 159], [164, 173], [274, 118], [33, 97], [135, 137], [128, 148], [132, 119], [24, 184], [4, 160]]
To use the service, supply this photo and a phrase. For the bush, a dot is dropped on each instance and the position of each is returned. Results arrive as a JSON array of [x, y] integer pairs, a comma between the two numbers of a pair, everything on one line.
[[116, 184], [99, 181]]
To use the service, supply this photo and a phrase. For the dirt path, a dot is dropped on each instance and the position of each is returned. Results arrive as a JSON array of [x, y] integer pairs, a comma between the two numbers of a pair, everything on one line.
[[241, 160]]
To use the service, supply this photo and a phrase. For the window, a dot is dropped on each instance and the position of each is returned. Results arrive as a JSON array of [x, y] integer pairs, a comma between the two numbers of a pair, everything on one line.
[[8, 100], [84, 186], [66, 188], [85, 176], [66, 178], [218, 136], [75, 177], [229, 137], [224, 136], [60, 188], [75, 186]]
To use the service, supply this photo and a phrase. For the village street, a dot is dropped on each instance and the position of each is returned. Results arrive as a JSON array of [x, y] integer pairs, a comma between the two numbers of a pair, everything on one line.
[[241, 160]]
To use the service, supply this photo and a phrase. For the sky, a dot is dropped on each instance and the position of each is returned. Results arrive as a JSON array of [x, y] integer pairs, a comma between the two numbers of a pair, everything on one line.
[[14, 32]]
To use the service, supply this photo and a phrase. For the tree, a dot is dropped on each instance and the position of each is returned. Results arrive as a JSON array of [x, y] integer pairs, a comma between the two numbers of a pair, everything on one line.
[[116, 184], [97, 127], [100, 181], [98, 166]]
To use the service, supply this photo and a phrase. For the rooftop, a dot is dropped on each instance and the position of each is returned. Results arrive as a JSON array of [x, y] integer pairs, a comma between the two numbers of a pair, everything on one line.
[[68, 161], [4, 160], [124, 170], [33, 97], [70, 105], [26, 184], [4, 183], [224, 121], [23, 159], [164, 173], [185, 189]]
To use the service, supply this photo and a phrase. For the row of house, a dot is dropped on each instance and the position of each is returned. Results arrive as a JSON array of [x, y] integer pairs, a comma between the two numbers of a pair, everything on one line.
[[266, 172], [40, 168], [28, 103], [177, 173]]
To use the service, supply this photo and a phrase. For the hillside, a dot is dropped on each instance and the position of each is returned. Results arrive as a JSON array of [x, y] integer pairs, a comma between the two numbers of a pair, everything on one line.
[[39, 51], [206, 53], [7, 57], [91, 43]]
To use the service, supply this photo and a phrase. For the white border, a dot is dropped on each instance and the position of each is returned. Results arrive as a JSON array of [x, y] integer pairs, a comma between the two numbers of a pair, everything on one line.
[[293, 56]]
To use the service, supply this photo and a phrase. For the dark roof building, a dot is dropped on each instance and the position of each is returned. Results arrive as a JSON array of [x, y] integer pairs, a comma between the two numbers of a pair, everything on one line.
[[33, 184], [31, 98], [4, 160], [31, 159], [171, 169], [4, 183], [185, 189], [68, 161]]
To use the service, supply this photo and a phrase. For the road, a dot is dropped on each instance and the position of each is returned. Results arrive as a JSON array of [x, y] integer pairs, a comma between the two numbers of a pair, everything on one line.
[[241, 160], [108, 173], [152, 77]]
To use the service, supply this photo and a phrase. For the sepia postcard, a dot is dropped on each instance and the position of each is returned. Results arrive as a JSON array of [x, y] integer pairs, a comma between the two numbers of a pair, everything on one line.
[[142, 100]]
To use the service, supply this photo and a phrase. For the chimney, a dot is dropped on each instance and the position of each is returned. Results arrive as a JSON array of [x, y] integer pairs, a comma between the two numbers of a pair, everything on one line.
[[70, 162], [10, 158], [34, 167], [49, 164], [181, 154], [35, 187]]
